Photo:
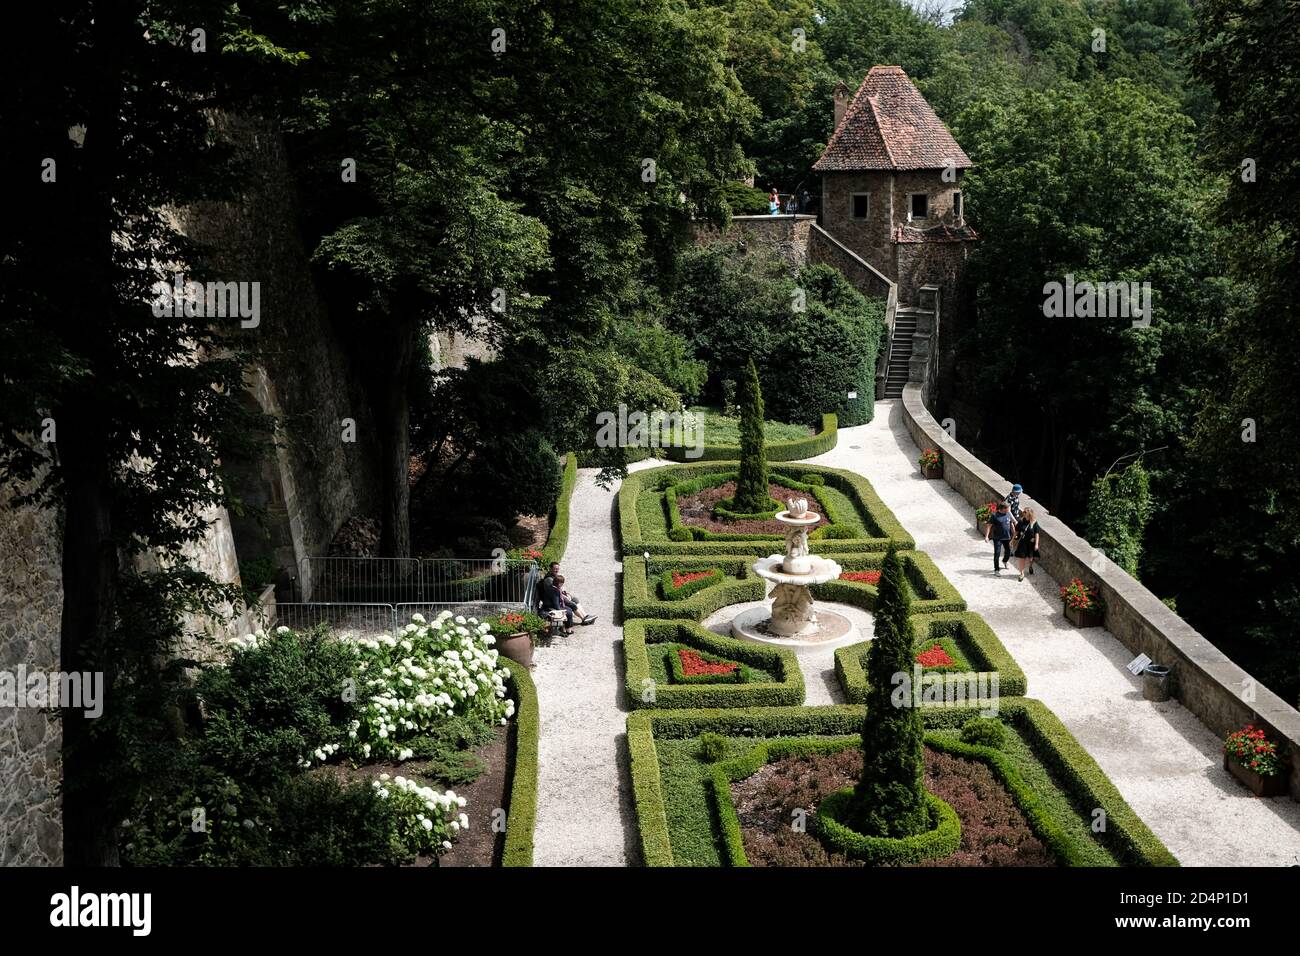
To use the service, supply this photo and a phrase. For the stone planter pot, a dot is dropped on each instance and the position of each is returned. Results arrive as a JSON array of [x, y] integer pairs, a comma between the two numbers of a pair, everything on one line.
[[1256, 783], [517, 647], [932, 471], [1092, 618]]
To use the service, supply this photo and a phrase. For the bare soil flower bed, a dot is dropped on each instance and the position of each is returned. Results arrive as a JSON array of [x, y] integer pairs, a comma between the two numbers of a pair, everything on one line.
[[697, 510], [993, 830]]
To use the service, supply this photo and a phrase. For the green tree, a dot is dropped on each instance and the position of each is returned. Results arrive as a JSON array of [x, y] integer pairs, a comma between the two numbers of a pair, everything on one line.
[[751, 485], [889, 800]]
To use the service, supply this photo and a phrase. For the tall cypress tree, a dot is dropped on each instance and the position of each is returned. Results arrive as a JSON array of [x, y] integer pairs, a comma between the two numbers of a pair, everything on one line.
[[890, 797], [751, 485]]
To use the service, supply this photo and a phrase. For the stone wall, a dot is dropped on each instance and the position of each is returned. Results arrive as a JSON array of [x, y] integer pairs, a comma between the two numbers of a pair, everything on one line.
[[870, 237], [787, 235], [31, 607], [1211, 686], [303, 375]]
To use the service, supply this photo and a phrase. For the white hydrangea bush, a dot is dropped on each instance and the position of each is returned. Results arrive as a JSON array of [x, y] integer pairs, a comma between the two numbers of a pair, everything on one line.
[[430, 671], [426, 820]]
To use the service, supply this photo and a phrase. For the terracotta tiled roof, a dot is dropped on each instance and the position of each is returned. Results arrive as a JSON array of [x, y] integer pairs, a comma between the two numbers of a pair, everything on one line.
[[889, 125], [962, 233]]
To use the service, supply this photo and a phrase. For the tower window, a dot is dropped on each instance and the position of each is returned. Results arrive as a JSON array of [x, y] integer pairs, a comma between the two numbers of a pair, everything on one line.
[[956, 206], [920, 208], [859, 203]]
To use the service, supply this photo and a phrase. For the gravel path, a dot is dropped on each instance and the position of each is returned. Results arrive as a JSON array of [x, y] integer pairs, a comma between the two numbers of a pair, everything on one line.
[[584, 793], [1164, 761]]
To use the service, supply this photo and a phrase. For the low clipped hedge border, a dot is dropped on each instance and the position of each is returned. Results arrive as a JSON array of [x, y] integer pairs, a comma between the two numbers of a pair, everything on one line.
[[922, 573], [1128, 838], [855, 486], [640, 599], [942, 839], [522, 812], [638, 634], [678, 530], [792, 450], [558, 539], [672, 592], [994, 657]]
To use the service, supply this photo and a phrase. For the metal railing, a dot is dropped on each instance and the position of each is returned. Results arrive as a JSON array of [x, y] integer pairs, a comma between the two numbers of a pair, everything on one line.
[[366, 596]]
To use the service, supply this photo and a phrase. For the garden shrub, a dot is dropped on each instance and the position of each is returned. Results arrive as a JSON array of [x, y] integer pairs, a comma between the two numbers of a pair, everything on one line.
[[890, 800], [695, 581], [752, 480], [985, 732], [712, 747], [938, 835], [736, 583]]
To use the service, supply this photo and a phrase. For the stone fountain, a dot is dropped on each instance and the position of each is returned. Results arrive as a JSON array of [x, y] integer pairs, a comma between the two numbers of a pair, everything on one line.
[[792, 618]]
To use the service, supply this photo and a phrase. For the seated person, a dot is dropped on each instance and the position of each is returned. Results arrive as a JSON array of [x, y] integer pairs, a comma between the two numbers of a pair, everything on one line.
[[567, 601], [551, 604], [571, 602]]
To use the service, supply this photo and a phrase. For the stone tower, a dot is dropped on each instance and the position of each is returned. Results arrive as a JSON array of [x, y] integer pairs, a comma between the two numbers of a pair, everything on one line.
[[891, 192]]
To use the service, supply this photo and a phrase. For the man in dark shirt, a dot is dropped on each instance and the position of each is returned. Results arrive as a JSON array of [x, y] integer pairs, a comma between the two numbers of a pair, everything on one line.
[[1000, 530]]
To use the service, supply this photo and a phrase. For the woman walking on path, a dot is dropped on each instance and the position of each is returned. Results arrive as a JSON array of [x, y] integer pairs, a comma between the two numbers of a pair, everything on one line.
[[1027, 546]]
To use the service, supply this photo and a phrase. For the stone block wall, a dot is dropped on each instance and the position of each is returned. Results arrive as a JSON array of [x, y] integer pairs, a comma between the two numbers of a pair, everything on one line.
[[1219, 692], [31, 607], [787, 235]]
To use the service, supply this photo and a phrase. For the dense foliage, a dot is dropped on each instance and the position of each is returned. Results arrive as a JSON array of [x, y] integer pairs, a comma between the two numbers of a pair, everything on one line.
[[751, 481]]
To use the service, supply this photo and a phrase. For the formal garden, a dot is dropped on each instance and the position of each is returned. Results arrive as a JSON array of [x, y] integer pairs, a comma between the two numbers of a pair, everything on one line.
[[937, 758]]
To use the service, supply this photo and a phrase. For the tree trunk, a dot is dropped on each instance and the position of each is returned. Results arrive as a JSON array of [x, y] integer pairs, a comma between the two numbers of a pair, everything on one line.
[[392, 417], [90, 568]]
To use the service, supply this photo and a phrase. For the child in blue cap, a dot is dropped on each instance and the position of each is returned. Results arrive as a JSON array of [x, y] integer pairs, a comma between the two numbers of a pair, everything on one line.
[[1013, 502]]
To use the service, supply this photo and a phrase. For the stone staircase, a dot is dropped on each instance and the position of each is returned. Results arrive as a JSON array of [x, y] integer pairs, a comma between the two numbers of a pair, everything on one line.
[[898, 372]]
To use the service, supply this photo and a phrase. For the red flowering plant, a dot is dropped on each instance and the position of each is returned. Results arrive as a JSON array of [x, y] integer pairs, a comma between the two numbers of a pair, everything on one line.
[[931, 458], [1250, 748], [677, 585], [511, 622], [1081, 597], [861, 577], [690, 666], [936, 656], [525, 554], [985, 512]]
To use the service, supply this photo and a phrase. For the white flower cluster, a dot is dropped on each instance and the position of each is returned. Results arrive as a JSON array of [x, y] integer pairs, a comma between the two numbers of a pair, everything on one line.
[[426, 819], [430, 671]]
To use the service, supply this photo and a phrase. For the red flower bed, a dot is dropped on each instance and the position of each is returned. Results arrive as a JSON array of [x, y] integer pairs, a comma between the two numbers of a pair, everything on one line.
[[861, 577], [936, 656], [693, 665], [679, 578]]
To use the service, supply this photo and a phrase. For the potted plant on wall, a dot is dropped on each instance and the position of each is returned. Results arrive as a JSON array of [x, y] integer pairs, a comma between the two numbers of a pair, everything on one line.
[[931, 462], [1253, 759], [1083, 604]]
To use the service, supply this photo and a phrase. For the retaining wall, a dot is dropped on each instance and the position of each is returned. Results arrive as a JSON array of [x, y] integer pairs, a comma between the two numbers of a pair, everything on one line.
[[1223, 695]]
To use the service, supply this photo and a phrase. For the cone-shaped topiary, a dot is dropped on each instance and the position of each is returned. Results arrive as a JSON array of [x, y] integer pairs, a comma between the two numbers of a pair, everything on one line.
[[751, 484], [889, 801]]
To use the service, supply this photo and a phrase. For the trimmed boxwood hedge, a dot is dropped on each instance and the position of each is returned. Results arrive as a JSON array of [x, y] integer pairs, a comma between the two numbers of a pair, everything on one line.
[[521, 814], [558, 539], [1126, 836], [933, 592], [989, 653], [775, 660], [641, 600], [792, 450], [942, 839], [642, 499]]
